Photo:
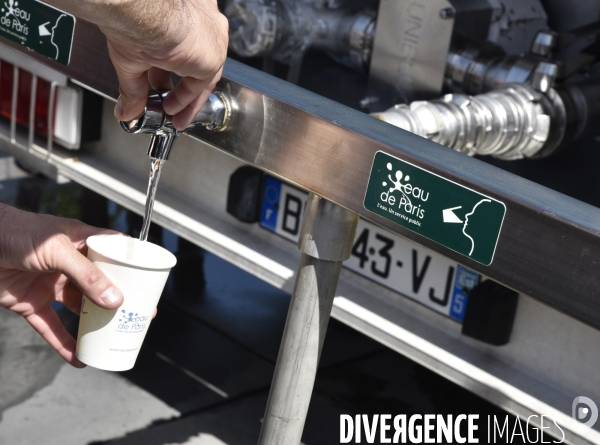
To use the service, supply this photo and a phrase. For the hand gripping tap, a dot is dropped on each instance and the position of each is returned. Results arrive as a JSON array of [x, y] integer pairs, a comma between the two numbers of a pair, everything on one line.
[[212, 116]]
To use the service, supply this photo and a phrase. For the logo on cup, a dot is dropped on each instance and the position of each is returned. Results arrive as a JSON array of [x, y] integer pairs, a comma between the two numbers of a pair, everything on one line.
[[127, 317], [585, 411], [131, 322]]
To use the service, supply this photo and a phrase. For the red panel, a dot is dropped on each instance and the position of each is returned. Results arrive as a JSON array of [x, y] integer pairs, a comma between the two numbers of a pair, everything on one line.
[[24, 98]]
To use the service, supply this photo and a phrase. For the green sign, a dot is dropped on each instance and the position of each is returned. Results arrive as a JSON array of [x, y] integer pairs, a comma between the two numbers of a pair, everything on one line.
[[439, 209], [40, 27]]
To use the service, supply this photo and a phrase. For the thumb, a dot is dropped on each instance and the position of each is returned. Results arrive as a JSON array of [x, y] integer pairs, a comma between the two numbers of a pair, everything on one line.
[[133, 85], [87, 277]]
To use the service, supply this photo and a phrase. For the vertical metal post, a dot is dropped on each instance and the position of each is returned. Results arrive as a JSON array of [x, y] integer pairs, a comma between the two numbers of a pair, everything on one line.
[[13, 105], [326, 240], [31, 135], [51, 110]]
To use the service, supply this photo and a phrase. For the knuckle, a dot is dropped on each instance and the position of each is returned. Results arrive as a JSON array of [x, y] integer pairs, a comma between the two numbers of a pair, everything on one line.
[[223, 25], [220, 62], [214, 65], [131, 95], [54, 249], [94, 278], [187, 88], [60, 240], [72, 226], [125, 95]]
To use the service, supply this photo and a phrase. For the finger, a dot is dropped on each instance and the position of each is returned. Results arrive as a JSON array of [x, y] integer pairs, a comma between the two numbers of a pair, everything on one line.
[[49, 326], [160, 79], [133, 86], [70, 296], [187, 90], [183, 119], [86, 276], [155, 312]]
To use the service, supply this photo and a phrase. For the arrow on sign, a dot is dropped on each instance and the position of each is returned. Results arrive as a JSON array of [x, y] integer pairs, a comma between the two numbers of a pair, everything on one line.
[[43, 30], [450, 216]]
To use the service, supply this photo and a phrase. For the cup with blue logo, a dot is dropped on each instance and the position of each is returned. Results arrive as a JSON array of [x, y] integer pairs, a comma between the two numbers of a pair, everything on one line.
[[112, 339]]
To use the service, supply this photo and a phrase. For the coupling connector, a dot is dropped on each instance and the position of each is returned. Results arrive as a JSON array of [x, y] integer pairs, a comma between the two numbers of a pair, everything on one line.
[[513, 122], [214, 115]]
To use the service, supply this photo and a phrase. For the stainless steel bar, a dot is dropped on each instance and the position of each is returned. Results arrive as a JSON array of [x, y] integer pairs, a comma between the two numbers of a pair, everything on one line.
[[32, 102], [549, 247], [325, 241], [13, 105]]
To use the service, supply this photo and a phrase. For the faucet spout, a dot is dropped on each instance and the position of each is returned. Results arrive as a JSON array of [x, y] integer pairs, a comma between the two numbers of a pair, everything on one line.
[[161, 144]]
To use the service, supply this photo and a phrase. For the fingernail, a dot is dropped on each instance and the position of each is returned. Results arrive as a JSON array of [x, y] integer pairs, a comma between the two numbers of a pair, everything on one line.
[[119, 109], [111, 296]]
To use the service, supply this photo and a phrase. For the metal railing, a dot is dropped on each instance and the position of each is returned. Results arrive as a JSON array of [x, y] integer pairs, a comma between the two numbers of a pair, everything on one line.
[[31, 145], [20, 139]]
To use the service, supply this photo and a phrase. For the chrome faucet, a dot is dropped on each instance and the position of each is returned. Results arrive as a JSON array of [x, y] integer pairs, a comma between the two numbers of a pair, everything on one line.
[[212, 116]]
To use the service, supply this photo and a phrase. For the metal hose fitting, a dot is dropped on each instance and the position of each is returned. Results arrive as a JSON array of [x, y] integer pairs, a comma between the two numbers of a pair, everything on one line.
[[283, 29], [513, 122]]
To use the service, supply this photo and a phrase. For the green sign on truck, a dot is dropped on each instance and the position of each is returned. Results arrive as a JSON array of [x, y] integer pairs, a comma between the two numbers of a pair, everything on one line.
[[37, 26], [448, 213]]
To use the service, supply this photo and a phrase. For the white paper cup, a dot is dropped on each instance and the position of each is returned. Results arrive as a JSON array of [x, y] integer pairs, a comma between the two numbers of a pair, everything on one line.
[[111, 339]]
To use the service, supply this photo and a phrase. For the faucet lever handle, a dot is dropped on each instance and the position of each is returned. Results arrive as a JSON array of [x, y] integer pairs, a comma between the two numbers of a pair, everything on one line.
[[213, 115], [152, 119]]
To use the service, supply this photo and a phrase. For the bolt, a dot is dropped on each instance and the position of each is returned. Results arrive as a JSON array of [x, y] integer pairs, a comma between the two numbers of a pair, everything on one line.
[[447, 13], [544, 76], [543, 44]]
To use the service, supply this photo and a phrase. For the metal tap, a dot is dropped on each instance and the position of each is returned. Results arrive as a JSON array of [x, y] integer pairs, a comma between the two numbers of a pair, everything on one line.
[[212, 116]]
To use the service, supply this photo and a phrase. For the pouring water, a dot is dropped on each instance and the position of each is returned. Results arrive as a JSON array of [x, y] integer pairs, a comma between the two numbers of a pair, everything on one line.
[[155, 169]]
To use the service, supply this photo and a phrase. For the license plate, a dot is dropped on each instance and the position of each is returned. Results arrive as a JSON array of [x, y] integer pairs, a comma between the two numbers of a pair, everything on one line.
[[411, 270]]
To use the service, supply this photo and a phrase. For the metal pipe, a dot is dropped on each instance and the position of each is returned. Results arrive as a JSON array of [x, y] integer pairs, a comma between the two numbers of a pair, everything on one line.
[[13, 105], [51, 114], [326, 241], [481, 68]]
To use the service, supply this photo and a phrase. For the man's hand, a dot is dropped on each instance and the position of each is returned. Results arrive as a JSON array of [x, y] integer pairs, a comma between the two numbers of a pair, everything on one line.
[[42, 259], [150, 39]]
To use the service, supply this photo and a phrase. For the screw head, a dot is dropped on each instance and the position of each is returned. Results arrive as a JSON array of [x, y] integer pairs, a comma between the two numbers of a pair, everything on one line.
[[447, 13]]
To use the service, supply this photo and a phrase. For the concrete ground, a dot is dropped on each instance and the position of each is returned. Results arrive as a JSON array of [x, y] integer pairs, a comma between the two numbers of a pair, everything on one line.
[[204, 373]]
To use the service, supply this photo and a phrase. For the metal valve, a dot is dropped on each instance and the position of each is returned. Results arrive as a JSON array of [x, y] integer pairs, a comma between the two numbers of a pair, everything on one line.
[[212, 116]]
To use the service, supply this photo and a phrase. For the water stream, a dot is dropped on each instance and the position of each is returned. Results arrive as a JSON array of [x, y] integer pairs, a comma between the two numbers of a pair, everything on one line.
[[155, 168]]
